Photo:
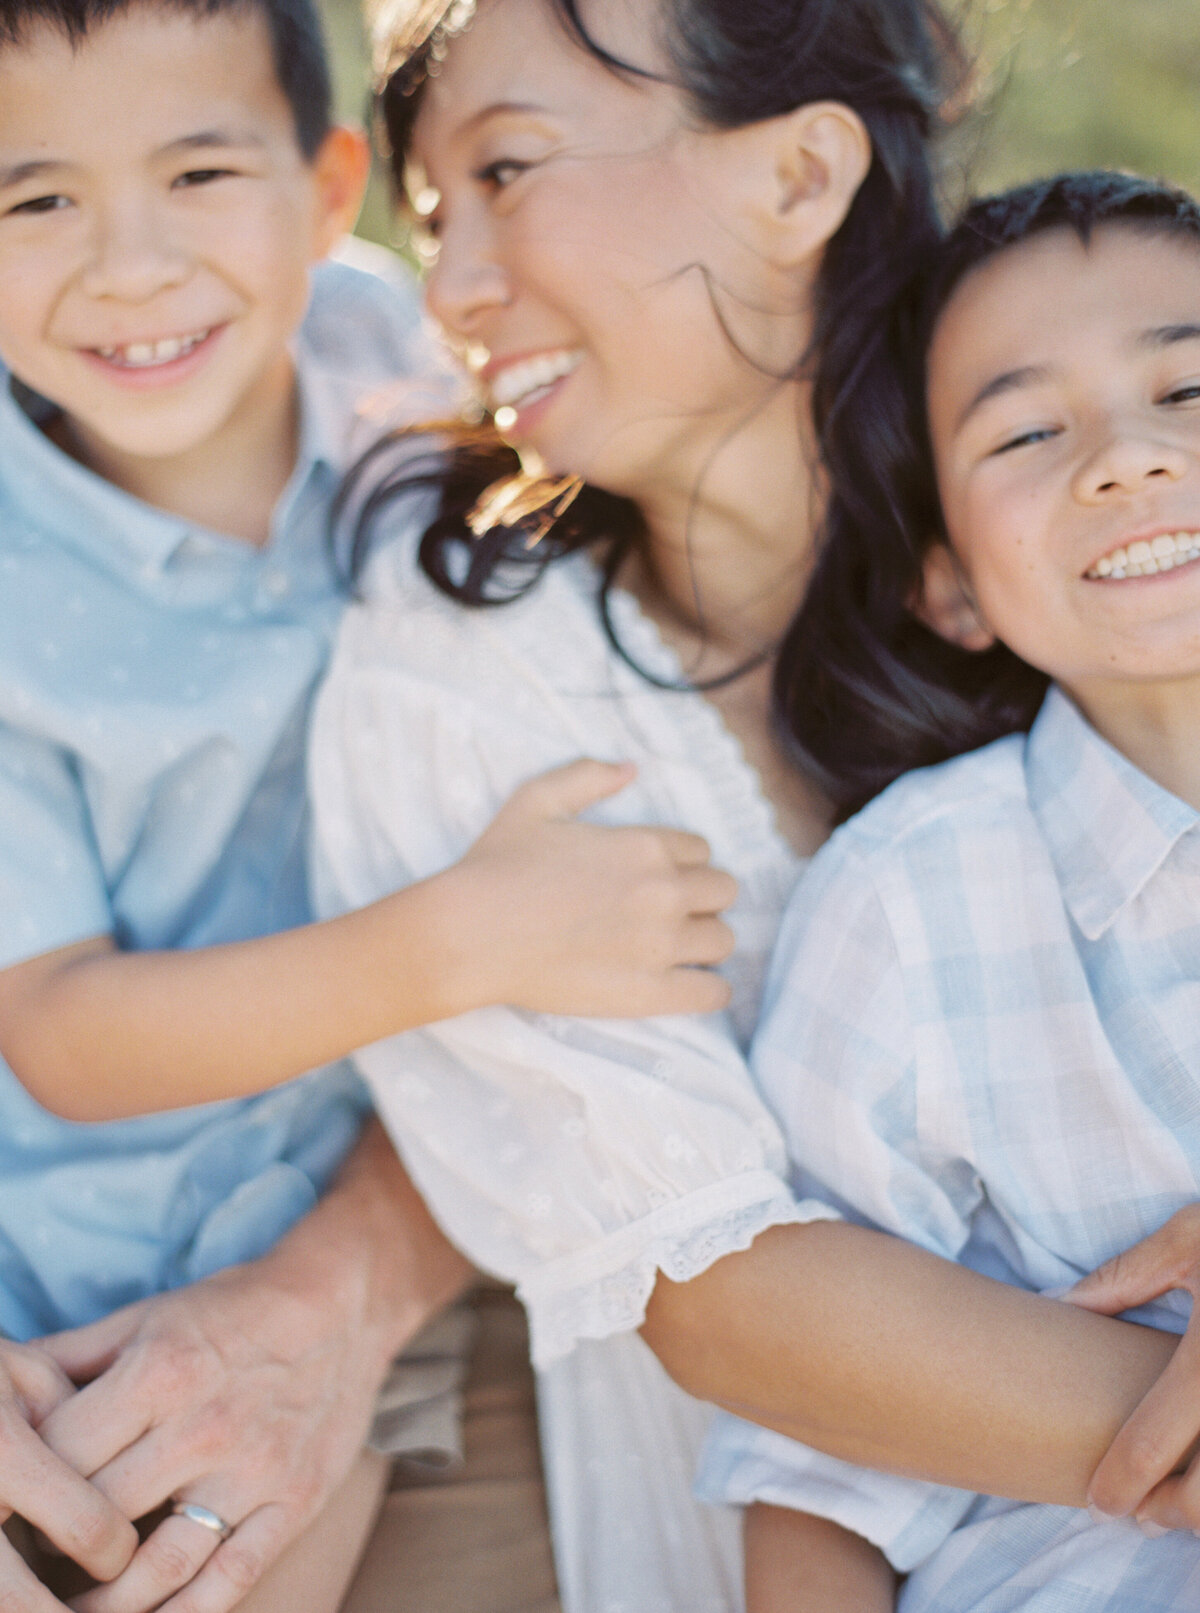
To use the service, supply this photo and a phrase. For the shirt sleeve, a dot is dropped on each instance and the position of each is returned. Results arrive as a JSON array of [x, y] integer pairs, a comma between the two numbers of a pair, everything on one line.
[[576, 1158], [52, 890], [837, 1059]]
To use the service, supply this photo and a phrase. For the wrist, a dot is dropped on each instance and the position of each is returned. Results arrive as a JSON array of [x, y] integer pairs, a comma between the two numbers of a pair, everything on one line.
[[461, 939]]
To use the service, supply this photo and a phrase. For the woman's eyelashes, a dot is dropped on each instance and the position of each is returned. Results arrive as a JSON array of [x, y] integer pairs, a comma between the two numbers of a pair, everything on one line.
[[500, 173]]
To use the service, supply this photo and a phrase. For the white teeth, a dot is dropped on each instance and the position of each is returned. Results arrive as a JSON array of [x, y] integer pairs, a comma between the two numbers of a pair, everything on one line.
[[1144, 559], [143, 355], [530, 375]]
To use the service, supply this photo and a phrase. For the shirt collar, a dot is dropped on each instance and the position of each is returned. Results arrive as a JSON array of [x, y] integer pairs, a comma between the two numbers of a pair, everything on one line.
[[1109, 828], [53, 491]]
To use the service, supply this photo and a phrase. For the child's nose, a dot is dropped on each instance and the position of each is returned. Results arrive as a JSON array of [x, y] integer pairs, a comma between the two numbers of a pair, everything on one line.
[[1127, 463], [132, 256]]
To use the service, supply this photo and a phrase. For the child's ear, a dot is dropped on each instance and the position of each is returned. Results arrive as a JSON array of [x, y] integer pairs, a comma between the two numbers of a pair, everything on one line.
[[341, 167], [945, 603]]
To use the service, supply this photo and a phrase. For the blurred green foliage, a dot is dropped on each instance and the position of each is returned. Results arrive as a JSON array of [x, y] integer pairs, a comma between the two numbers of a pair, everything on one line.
[[1058, 84]]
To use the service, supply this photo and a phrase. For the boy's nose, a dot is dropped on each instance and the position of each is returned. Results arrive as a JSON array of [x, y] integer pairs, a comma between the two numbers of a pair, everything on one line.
[[132, 257], [1128, 463]]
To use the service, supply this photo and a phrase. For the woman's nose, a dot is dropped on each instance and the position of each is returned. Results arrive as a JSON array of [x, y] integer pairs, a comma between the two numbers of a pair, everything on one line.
[[1126, 463], [465, 281]]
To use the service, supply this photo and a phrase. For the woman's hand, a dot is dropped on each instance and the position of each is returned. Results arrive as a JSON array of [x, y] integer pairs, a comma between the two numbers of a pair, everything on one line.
[[41, 1488], [250, 1393], [1150, 1470]]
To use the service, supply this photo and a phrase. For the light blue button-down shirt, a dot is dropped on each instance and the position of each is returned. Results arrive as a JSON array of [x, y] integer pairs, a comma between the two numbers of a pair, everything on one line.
[[982, 1032], [154, 687]]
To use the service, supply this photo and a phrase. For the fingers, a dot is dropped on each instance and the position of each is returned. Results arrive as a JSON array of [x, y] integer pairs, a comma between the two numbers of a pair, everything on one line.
[[685, 850], [568, 790], [1155, 1439], [85, 1352], [234, 1568], [682, 991], [168, 1559], [37, 1379], [51, 1496], [20, 1589], [94, 1426], [708, 890], [704, 943], [1164, 1260]]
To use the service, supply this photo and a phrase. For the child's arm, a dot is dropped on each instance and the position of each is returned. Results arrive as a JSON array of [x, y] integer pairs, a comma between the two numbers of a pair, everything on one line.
[[543, 913], [796, 1563]]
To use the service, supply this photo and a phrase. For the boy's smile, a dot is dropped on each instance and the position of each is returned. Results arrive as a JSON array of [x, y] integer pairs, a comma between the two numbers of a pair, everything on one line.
[[158, 220], [1064, 388]]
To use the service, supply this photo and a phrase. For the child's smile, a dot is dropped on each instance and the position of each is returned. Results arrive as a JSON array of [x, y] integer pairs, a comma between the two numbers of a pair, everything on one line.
[[153, 268], [1064, 402]]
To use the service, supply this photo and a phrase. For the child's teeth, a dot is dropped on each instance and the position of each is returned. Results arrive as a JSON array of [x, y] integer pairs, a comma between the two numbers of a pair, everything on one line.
[[140, 355], [1144, 559]]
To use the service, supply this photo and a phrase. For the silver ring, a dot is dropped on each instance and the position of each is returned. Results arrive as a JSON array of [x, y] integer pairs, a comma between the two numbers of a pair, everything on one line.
[[204, 1516]]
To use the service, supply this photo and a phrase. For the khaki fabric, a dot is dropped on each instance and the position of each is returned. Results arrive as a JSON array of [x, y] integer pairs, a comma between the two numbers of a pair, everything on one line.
[[474, 1539]]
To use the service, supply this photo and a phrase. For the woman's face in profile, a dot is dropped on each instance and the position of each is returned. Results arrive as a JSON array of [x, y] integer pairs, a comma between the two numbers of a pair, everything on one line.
[[589, 250]]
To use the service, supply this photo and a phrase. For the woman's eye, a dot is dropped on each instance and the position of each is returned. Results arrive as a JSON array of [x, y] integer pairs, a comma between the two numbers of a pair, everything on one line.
[[1026, 438], [501, 173], [41, 204]]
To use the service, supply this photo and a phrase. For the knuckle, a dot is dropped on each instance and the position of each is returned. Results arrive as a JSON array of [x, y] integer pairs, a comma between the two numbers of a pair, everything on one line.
[[168, 1563], [177, 1367], [242, 1566], [90, 1530]]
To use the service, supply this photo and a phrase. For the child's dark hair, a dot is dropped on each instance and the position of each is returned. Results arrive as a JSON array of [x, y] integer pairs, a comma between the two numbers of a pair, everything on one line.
[[895, 62], [297, 44], [865, 691]]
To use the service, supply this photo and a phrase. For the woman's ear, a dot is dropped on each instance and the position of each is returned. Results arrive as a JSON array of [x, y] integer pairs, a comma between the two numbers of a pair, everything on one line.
[[823, 154], [945, 602]]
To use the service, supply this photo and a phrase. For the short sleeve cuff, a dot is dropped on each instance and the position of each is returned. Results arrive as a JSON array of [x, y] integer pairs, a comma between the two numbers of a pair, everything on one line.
[[604, 1288], [907, 1519]]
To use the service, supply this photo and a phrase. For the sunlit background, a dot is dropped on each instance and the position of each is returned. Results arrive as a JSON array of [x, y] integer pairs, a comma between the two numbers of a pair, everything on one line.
[[1059, 84]]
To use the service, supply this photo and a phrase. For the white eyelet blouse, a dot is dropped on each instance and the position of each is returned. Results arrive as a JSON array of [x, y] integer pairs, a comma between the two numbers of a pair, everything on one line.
[[576, 1158]]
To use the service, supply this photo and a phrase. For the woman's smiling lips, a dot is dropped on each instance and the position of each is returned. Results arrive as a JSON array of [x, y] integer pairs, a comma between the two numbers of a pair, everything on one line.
[[516, 385], [1147, 557], [154, 361]]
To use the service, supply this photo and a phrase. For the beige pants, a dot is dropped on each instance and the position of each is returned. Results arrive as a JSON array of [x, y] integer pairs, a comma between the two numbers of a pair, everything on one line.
[[473, 1540]]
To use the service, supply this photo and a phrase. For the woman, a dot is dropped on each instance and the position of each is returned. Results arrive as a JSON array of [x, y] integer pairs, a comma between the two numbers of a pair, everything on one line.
[[666, 236]]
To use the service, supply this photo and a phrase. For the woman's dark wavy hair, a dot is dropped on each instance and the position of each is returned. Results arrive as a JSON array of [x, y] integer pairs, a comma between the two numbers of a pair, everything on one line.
[[865, 691], [896, 63]]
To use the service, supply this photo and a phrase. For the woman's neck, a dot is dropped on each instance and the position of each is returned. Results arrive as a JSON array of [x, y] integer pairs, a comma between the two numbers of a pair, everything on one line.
[[730, 543]]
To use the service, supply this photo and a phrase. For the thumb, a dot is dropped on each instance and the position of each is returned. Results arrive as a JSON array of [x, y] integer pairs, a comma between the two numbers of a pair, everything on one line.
[[564, 791], [1165, 1260], [84, 1353]]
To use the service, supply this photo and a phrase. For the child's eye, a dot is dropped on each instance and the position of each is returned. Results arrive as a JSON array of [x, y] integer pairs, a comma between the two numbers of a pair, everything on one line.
[[501, 173], [200, 176], [1184, 394], [41, 204], [1042, 434]]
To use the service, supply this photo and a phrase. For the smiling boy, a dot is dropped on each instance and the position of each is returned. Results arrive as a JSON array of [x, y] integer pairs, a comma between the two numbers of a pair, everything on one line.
[[180, 393]]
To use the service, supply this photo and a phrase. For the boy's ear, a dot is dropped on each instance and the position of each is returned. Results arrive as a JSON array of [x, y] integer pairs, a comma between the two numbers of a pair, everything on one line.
[[341, 167], [945, 603], [822, 153]]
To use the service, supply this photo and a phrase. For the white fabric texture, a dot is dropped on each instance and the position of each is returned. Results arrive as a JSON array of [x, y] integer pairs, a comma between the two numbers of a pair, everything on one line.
[[575, 1158]]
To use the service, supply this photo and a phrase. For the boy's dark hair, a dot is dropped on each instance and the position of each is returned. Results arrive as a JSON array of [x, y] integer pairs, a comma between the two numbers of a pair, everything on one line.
[[867, 692], [297, 44], [896, 62]]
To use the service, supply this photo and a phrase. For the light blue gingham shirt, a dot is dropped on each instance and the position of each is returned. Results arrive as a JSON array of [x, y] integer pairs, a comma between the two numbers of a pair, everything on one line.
[[154, 686], [982, 1033]]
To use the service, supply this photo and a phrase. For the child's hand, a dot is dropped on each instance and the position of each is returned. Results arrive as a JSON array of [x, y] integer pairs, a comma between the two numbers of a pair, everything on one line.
[[573, 918]]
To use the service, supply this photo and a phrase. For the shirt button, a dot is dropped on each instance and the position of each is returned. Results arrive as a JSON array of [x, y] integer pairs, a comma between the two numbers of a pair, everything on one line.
[[277, 584]]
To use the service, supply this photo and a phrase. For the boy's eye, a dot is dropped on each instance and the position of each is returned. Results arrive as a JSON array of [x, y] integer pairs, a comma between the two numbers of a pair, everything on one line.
[[41, 204], [1026, 438], [200, 176], [1184, 394]]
